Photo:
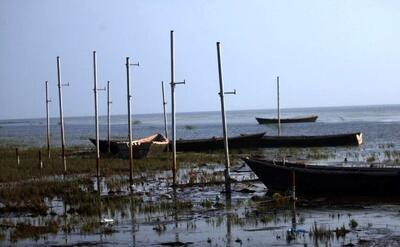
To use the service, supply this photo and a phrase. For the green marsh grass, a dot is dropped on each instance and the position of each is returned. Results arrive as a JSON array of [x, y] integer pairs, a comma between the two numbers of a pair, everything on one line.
[[81, 160]]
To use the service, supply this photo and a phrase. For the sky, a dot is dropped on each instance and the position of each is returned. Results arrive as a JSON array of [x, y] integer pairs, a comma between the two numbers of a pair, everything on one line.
[[326, 53]]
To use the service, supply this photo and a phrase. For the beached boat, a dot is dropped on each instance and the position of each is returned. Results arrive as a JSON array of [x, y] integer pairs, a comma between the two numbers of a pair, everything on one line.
[[303, 119], [215, 143], [350, 139], [103, 145], [142, 148], [338, 179]]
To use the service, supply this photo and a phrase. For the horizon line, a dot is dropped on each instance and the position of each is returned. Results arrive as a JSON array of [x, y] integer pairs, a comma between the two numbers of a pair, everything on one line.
[[204, 111]]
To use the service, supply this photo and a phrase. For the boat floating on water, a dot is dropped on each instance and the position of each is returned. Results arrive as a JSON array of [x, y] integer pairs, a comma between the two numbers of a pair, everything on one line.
[[338, 179], [142, 148], [350, 139], [302, 119], [217, 143]]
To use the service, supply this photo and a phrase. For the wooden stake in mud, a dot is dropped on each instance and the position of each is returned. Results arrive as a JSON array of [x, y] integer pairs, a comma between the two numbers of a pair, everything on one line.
[[108, 117], [165, 114], [60, 99], [221, 94], [40, 160], [48, 119], [17, 156], [96, 113], [293, 185], [279, 114], [173, 83], [129, 96], [294, 221]]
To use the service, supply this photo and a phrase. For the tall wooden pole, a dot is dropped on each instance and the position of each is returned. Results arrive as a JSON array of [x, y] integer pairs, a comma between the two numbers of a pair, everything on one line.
[[128, 88], [221, 94], [48, 119], [108, 117], [96, 114], [129, 96], [173, 83], [173, 109], [60, 100], [279, 114], [165, 114]]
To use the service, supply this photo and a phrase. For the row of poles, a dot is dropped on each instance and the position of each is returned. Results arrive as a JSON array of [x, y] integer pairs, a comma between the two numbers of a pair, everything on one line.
[[173, 84]]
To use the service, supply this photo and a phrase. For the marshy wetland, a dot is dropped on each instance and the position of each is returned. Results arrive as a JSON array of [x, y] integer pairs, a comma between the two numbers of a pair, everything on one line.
[[47, 207]]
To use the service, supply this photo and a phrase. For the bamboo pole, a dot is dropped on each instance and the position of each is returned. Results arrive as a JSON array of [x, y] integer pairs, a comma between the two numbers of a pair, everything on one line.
[[165, 114], [128, 83], [61, 114], [48, 119], [279, 113], [173, 84], [129, 96], [108, 117], [224, 127], [96, 113]]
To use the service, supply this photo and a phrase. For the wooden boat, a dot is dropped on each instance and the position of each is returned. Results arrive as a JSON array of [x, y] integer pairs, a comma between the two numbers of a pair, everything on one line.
[[304, 119], [350, 139], [142, 148], [327, 180], [215, 143], [103, 145]]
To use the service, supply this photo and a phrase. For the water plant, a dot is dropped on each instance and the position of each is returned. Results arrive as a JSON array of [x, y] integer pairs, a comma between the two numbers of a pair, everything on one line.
[[320, 232], [28, 231], [353, 224]]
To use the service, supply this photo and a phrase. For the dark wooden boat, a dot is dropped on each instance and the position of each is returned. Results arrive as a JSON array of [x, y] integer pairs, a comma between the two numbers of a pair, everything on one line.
[[103, 145], [304, 119], [327, 180], [215, 143], [142, 148], [350, 139]]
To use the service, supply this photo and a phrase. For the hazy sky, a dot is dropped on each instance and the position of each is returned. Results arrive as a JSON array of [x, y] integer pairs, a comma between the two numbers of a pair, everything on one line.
[[326, 52]]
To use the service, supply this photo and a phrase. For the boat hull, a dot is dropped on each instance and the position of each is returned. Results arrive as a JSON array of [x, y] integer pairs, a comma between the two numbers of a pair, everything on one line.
[[237, 142], [141, 148], [144, 150], [306, 119], [327, 180], [351, 139], [103, 146]]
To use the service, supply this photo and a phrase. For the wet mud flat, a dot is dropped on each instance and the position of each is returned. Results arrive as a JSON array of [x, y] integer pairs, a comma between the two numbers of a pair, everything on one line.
[[84, 211]]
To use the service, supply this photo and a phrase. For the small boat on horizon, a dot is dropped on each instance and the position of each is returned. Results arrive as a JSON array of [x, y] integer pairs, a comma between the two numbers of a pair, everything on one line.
[[338, 179], [300, 119], [278, 120], [142, 148]]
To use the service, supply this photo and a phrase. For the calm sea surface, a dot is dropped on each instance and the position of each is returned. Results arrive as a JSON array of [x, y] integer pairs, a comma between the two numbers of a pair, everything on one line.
[[379, 124]]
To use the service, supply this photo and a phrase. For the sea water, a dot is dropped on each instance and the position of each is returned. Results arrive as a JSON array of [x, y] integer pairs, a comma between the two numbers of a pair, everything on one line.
[[380, 126]]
